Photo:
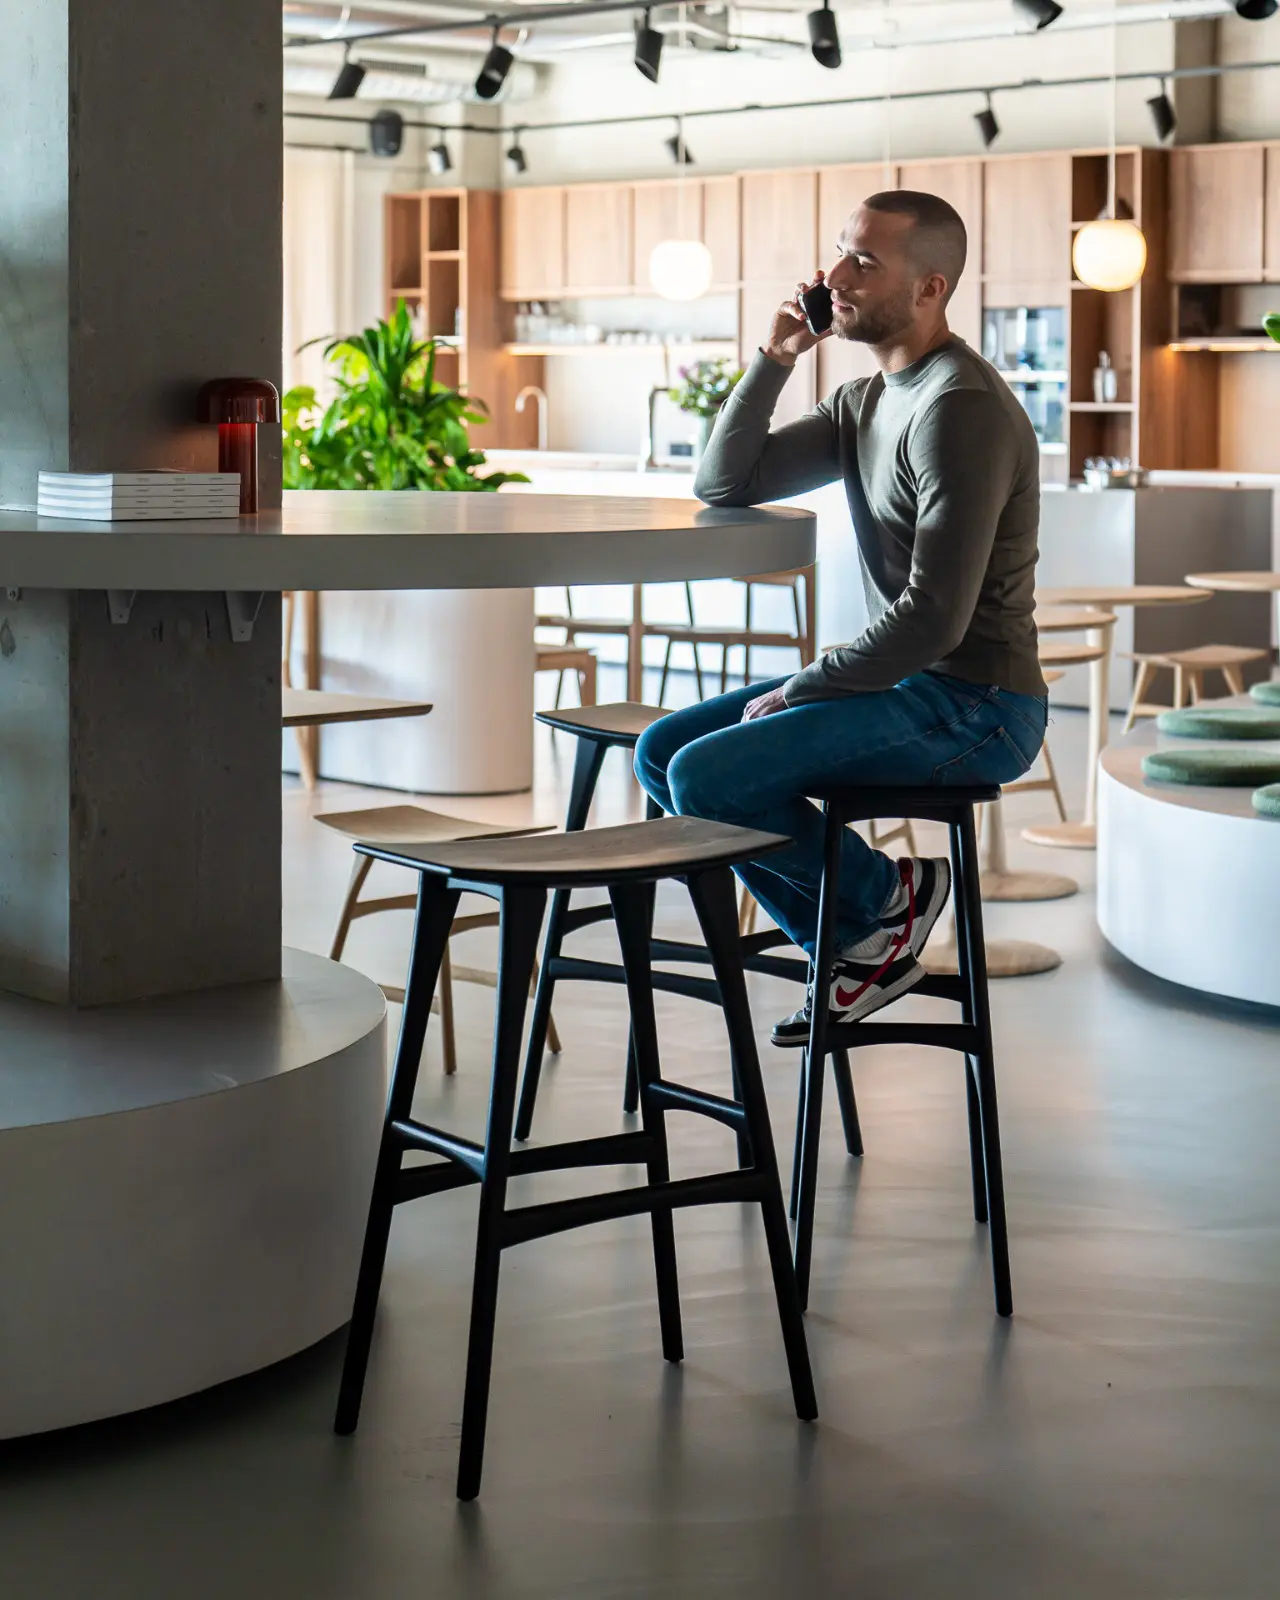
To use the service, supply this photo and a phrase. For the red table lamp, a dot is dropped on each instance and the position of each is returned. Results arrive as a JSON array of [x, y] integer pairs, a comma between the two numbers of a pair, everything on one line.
[[238, 405]]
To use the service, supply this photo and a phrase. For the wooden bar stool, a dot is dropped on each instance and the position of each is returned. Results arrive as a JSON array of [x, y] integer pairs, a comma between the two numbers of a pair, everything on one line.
[[1189, 668], [306, 709], [564, 658], [598, 730], [416, 827], [971, 1036], [628, 862]]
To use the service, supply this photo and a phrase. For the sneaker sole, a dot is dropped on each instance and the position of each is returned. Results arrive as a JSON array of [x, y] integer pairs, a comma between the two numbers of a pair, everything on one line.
[[866, 1006]]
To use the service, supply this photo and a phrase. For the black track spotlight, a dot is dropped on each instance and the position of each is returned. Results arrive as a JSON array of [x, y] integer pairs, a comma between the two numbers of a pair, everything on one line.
[[824, 36], [493, 72], [516, 158], [679, 150], [1256, 10], [1163, 115], [988, 127], [386, 133], [1039, 12], [438, 158], [648, 49], [350, 77]]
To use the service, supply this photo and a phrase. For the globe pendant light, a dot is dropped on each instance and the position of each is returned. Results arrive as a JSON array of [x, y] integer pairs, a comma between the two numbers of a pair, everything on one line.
[[1110, 253], [680, 268]]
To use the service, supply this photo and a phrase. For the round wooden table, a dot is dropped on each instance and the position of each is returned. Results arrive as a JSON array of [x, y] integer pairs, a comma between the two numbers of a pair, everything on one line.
[[188, 1175], [1100, 599]]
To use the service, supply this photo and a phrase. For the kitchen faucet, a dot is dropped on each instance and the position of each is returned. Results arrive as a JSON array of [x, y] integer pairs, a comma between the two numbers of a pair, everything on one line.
[[538, 394], [650, 462]]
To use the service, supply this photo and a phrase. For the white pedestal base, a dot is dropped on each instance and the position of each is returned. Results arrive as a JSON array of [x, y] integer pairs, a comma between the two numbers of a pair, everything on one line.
[[183, 1187], [468, 651]]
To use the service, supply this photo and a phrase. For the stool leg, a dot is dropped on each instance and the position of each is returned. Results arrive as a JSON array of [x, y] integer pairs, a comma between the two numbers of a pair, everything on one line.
[[633, 914], [436, 908], [713, 900], [522, 912], [974, 973], [843, 1074], [816, 1054], [359, 872], [586, 774], [977, 1162], [631, 1082]]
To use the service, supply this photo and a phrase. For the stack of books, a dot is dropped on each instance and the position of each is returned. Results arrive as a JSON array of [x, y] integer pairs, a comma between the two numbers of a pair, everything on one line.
[[138, 496]]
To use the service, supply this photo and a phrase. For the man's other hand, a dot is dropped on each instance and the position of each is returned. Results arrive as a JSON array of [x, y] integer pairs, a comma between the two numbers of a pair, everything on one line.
[[764, 705], [789, 335]]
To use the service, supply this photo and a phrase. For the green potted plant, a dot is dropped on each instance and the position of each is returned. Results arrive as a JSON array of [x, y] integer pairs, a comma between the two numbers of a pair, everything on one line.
[[703, 388], [1271, 325], [390, 425]]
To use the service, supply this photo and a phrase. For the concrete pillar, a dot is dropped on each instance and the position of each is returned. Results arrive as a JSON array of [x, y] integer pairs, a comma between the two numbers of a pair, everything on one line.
[[140, 240]]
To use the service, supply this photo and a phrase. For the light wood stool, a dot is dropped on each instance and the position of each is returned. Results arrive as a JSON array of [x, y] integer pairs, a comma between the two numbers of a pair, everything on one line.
[[317, 708], [1189, 668], [564, 658], [415, 826]]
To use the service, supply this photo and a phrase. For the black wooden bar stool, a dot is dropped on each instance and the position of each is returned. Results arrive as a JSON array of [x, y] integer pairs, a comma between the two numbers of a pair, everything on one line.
[[599, 729], [627, 861], [971, 1035]]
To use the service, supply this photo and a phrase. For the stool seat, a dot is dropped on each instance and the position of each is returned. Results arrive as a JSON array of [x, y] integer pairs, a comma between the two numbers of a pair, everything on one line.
[[408, 825], [1205, 656], [317, 708], [929, 802], [665, 847], [1069, 653], [620, 723]]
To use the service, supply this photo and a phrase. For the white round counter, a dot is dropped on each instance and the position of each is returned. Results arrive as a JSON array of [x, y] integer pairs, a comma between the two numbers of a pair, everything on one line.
[[184, 1184], [1188, 877]]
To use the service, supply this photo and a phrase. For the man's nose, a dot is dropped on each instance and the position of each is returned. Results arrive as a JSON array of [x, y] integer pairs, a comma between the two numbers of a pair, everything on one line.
[[840, 276]]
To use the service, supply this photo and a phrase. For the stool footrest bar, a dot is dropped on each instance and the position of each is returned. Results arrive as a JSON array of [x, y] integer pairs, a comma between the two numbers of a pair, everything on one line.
[[419, 1136], [608, 972], [585, 917], [680, 1098], [939, 1035], [555, 1216]]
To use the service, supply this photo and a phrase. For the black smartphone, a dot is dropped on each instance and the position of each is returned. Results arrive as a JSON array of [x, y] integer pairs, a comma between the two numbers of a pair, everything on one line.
[[816, 302]]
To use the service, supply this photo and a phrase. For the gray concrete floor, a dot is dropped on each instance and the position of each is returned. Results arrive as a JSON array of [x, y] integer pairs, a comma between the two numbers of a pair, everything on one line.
[[1119, 1439]]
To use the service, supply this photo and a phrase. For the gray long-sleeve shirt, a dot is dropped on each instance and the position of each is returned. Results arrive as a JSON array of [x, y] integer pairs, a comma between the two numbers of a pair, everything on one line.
[[942, 472]]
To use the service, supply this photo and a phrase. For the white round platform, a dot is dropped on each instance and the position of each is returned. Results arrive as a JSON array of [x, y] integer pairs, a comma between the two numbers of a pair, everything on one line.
[[183, 1187], [1188, 877]]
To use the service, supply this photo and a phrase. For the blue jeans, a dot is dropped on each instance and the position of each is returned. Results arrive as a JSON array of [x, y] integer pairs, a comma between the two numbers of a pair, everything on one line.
[[705, 761]]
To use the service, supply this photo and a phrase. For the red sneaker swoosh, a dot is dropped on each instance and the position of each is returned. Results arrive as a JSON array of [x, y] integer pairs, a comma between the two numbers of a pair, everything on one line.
[[845, 997]]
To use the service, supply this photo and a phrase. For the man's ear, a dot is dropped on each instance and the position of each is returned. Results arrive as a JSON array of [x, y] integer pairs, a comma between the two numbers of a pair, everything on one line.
[[932, 290]]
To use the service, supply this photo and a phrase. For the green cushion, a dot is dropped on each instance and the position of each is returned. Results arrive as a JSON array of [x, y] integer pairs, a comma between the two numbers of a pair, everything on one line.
[[1266, 801], [1268, 693], [1222, 722], [1220, 765]]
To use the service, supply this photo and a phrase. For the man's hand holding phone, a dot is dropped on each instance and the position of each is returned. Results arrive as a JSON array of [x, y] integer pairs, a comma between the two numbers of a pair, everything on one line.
[[800, 323]]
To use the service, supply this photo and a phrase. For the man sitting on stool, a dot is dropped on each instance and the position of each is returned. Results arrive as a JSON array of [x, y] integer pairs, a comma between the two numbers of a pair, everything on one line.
[[942, 472]]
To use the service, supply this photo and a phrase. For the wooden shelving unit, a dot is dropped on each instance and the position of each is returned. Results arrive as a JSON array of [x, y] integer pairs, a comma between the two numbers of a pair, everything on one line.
[[441, 259]]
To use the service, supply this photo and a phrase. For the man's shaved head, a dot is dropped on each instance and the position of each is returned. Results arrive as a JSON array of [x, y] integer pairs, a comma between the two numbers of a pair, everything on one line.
[[937, 241]]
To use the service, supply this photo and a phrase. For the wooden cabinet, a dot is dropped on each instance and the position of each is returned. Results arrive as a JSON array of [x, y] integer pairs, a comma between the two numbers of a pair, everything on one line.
[[1216, 213], [779, 227], [1271, 215], [721, 229], [597, 238], [759, 302], [841, 190], [1026, 218], [959, 183], [687, 210], [532, 253]]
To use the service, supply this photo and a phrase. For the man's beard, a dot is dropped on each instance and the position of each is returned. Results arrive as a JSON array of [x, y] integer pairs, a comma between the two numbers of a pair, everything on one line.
[[875, 324]]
